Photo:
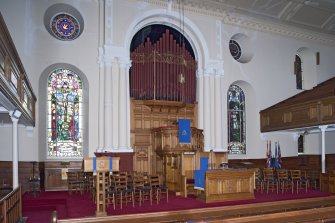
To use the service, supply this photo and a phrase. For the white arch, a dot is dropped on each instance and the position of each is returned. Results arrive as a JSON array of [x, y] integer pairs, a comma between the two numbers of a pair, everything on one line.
[[42, 108], [251, 112], [160, 16]]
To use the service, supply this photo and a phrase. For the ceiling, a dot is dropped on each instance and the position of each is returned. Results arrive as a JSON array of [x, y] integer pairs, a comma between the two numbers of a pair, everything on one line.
[[314, 15]]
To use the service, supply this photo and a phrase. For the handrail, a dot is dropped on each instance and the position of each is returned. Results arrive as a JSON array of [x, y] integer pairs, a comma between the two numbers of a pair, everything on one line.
[[11, 206]]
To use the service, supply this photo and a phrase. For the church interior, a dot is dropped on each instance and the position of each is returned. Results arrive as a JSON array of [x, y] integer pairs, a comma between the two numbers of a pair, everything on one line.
[[179, 109]]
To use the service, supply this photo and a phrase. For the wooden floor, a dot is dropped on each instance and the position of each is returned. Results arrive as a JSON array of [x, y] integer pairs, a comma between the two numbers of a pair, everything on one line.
[[302, 210]]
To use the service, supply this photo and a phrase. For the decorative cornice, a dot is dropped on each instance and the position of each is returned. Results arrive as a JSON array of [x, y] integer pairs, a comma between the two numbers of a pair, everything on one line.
[[225, 13], [267, 27]]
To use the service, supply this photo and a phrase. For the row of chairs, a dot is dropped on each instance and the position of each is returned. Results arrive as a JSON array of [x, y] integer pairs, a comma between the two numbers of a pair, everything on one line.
[[77, 181], [283, 180], [121, 187], [136, 188]]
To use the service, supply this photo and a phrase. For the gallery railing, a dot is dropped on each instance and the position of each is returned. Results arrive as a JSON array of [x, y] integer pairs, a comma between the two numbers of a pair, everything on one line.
[[15, 88], [11, 207]]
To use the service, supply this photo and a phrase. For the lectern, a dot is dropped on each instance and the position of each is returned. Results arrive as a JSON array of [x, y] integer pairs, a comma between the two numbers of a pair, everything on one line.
[[100, 166]]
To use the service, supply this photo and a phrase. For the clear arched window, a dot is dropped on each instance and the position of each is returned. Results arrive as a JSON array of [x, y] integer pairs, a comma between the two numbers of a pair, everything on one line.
[[236, 120], [64, 114]]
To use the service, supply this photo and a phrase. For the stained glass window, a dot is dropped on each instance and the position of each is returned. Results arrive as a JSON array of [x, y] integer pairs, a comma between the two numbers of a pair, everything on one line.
[[64, 114], [65, 27], [236, 120]]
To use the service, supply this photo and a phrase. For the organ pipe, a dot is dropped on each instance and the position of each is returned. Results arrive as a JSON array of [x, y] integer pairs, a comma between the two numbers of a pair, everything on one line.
[[156, 69]]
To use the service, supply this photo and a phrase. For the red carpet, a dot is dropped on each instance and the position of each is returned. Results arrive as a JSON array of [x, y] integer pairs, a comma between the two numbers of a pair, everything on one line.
[[38, 210]]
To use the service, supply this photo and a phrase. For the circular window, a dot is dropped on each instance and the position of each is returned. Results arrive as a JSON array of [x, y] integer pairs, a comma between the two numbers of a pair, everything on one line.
[[65, 27], [235, 49], [63, 22], [240, 48]]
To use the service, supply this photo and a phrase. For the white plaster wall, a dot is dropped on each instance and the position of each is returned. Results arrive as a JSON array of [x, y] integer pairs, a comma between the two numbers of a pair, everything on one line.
[[268, 78], [38, 50]]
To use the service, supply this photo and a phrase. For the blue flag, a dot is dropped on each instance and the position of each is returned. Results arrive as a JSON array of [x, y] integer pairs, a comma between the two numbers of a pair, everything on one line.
[[184, 126], [276, 163]]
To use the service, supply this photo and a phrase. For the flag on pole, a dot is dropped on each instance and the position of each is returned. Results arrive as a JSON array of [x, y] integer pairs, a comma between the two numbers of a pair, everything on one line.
[[276, 163], [268, 154], [279, 155]]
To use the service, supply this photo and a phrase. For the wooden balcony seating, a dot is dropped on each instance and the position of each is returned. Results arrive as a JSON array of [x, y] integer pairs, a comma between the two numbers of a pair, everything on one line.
[[159, 191], [270, 180], [259, 180], [283, 179]]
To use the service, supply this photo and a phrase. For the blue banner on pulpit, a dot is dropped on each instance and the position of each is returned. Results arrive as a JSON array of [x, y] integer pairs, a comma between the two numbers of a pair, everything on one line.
[[184, 126], [94, 164]]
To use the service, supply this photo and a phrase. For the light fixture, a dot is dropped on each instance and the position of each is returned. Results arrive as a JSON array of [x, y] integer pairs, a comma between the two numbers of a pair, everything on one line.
[[16, 113]]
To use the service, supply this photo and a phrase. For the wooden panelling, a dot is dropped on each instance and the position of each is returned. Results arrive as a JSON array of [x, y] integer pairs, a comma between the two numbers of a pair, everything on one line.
[[227, 185], [296, 162], [25, 172], [54, 173], [148, 115], [309, 108]]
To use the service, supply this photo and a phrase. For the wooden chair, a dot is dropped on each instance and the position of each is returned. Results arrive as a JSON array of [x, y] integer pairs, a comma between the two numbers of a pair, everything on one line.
[[73, 183], [122, 192], [111, 191], [140, 190], [298, 181], [158, 190], [313, 177], [270, 180], [259, 180], [283, 179]]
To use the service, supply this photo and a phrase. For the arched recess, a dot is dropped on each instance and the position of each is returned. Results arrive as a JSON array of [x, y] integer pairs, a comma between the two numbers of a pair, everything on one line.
[[308, 67], [192, 33], [199, 46], [251, 117], [172, 19], [43, 109]]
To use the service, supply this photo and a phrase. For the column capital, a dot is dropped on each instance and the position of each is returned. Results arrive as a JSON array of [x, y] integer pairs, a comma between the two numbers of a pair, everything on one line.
[[323, 127], [214, 68], [15, 115], [109, 54]]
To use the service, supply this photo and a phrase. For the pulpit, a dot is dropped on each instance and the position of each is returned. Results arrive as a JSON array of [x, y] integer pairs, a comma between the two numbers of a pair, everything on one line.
[[180, 160], [100, 166]]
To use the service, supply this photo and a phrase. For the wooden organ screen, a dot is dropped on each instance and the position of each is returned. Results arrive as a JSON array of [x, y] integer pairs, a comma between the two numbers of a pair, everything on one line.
[[163, 70]]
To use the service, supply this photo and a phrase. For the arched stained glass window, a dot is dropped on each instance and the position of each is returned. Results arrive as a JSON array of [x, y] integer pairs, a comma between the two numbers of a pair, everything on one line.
[[64, 114], [236, 120], [298, 71]]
